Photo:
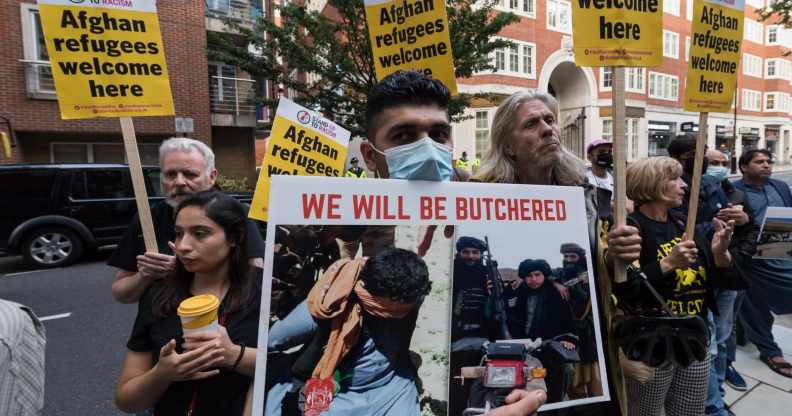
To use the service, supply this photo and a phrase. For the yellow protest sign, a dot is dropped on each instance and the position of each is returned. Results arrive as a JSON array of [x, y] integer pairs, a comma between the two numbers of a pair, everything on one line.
[[301, 142], [617, 32], [714, 55], [107, 58], [411, 34]]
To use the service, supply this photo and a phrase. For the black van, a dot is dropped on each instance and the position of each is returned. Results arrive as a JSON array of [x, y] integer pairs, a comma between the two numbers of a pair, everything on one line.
[[52, 214]]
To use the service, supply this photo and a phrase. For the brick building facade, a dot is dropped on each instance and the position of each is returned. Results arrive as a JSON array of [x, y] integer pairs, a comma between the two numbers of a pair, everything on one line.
[[27, 98], [542, 60]]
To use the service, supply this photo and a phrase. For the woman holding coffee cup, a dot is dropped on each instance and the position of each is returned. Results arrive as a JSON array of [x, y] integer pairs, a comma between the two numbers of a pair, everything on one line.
[[193, 346]]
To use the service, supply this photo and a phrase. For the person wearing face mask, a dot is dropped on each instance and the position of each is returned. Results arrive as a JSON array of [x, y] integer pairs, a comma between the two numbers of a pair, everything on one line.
[[714, 203], [409, 137], [600, 155]]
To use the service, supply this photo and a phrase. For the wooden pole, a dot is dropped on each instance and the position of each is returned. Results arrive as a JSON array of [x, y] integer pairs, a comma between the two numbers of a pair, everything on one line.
[[695, 185], [619, 164], [138, 184]]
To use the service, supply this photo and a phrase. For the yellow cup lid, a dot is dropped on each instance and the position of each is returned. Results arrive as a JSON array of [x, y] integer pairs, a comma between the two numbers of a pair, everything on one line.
[[198, 305]]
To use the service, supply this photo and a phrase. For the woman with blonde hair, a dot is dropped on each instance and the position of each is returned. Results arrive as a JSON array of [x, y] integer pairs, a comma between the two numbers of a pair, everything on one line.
[[683, 271]]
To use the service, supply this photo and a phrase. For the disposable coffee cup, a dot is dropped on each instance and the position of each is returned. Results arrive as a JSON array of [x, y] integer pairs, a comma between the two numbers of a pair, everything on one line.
[[199, 313]]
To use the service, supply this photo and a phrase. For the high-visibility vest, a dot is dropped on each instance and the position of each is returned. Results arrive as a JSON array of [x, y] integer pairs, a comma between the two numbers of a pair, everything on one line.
[[359, 173], [476, 162], [462, 163]]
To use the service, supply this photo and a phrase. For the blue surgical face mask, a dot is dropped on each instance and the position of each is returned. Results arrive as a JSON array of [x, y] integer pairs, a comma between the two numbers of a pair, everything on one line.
[[718, 172], [424, 159]]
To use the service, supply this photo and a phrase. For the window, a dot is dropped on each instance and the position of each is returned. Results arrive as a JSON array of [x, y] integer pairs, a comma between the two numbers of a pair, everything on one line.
[[635, 80], [222, 88], [777, 102], [752, 65], [520, 7], [606, 77], [27, 184], [751, 100], [753, 31], [519, 59], [689, 4], [687, 48], [218, 6], [671, 7], [778, 68], [772, 34], [38, 72], [770, 101], [670, 44], [607, 130], [630, 132], [101, 184], [757, 4], [559, 16], [482, 133], [663, 86]]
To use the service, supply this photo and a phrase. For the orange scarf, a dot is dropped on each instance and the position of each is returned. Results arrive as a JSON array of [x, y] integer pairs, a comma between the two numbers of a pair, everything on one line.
[[329, 299]]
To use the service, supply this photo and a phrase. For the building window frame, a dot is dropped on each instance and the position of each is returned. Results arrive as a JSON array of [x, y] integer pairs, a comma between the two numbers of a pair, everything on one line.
[[481, 131], [754, 31], [773, 34], [606, 78], [751, 100], [90, 153], [555, 11], [752, 65], [663, 86], [635, 80], [40, 84], [517, 7], [670, 44], [502, 60], [671, 7]]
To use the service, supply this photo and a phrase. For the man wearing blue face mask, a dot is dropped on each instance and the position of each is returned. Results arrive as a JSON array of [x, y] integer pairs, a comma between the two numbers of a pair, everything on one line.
[[743, 245], [409, 137], [409, 133]]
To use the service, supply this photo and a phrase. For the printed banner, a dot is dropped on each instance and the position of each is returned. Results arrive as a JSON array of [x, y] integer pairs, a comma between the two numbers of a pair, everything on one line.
[[462, 238], [714, 55], [411, 34], [617, 33], [301, 142], [107, 58]]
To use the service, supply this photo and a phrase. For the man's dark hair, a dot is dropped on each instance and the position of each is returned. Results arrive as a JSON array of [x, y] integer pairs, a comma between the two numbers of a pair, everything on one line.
[[748, 156], [529, 265], [404, 88], [573, 248], [681, 144], [470, 242], [396, 274]]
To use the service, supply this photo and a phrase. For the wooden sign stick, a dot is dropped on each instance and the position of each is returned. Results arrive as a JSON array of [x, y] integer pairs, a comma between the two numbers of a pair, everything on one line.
[[619, 164], [695, 186], [138, 184]]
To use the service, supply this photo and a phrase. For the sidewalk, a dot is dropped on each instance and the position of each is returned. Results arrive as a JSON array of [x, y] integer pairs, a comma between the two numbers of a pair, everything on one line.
[[769, 394]]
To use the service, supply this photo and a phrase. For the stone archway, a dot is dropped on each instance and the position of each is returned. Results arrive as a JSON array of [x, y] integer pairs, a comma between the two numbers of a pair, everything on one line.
[[575, 89]]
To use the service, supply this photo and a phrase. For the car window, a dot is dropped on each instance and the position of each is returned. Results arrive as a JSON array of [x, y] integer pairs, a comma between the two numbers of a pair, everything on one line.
[[101, 184], [155, 183], [30, 184]]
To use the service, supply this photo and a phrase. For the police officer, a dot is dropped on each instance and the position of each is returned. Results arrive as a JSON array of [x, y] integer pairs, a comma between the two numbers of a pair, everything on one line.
[[354, 170], [463, 162]]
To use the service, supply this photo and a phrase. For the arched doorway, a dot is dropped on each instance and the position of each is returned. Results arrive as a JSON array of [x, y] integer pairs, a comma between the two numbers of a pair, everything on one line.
[[574, 88]]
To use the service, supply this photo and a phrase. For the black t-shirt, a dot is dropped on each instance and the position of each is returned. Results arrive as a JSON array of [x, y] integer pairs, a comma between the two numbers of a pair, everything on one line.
[[223, 394], [684, 290], [132, 244]]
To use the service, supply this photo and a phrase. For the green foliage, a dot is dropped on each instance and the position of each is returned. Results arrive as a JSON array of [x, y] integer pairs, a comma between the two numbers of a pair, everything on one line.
[[338, 53], [778, 8], [232, 184]]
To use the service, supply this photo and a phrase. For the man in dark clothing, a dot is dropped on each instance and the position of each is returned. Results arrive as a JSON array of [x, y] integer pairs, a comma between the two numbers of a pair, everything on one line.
[[771, 280], [536, 310], [187, 166], [574, 276], [472, 320]]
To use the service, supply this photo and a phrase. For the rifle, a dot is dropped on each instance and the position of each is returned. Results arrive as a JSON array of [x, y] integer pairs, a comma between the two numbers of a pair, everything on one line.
[[497, 291]]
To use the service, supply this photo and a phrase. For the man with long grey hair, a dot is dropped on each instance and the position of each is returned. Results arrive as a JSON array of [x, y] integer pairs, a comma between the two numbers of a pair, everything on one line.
[[526, 149], [187, 167]]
